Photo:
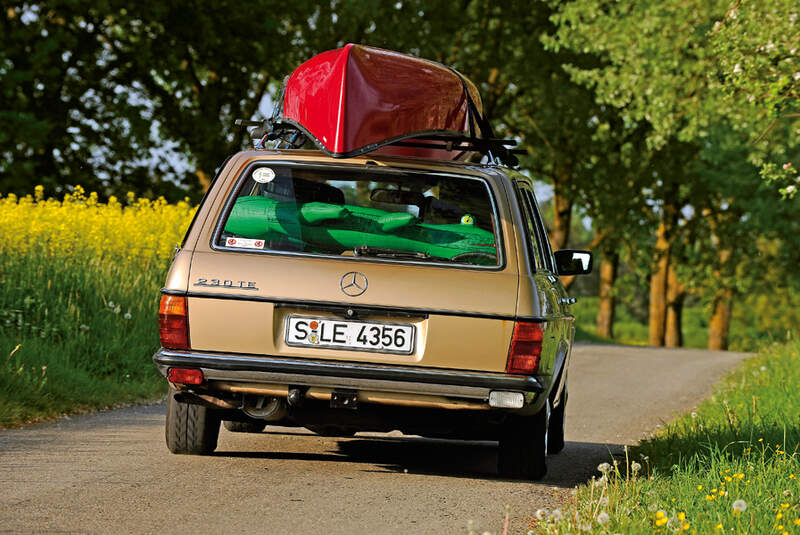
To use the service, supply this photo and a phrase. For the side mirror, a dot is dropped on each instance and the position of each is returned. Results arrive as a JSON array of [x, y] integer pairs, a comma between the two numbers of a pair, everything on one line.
[[571, 262]]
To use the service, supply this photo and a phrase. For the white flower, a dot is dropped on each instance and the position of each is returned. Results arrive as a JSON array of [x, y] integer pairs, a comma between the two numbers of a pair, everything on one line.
[[84, 327], [739, 506], [540, 514], [127, 316], [604, 468], [111, 304], [603, 518], [586, 527], [763, 368], [600, 482], [117, 310], [603, 501], [791, 188], [694, 415], [635, 467], [737, 69], [556, 515]]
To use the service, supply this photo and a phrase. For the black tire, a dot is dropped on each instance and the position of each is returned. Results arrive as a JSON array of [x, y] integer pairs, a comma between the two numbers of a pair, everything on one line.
[[555, 431], [523, 446], [190, 429], [244, 427]]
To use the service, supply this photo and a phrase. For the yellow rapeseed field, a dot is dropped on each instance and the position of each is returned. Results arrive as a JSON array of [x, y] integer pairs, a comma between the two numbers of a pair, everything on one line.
[[79, 227]]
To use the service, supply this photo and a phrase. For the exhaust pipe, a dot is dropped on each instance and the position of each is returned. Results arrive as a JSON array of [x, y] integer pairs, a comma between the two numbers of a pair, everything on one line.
[[203, 399]]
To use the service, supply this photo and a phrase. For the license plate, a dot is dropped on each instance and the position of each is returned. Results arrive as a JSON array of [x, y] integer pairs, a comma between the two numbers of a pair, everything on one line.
[[302, 331]]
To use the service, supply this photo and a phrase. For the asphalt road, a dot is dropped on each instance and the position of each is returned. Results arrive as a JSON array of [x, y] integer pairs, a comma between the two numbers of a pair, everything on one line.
[[111, 472]]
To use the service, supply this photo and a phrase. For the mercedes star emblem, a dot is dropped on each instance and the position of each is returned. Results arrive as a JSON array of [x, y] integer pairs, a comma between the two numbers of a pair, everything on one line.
[[353, 283]]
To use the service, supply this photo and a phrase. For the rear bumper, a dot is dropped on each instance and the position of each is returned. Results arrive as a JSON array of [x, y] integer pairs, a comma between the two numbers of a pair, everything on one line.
[[346, 375]]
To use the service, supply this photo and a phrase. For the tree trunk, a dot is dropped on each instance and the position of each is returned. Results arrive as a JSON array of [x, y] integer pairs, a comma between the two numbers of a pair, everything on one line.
[[676, 292], [721, 306], [562, 217], [202, 177], [658, 288], [720, 320], [608, 276]]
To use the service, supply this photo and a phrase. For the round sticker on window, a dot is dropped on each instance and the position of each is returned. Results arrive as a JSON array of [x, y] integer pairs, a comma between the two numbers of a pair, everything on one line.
[[262, 175]]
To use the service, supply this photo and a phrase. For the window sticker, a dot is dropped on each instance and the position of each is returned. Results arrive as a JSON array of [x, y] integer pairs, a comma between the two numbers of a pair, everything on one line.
[[262, 175], [244, 243]]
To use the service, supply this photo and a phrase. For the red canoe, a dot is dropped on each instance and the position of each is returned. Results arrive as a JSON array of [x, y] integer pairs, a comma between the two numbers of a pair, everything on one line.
[[357, 99]]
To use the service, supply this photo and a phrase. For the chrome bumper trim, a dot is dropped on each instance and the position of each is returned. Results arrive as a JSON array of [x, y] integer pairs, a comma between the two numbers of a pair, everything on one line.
[[335, 374]]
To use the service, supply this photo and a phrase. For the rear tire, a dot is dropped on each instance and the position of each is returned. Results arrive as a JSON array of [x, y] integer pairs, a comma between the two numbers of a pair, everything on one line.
[[555, 431], [190, 429], [523, 446], [244, 427]]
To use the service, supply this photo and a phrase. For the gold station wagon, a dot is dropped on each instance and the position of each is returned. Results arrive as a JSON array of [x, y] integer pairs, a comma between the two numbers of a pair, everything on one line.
[[370, 292]]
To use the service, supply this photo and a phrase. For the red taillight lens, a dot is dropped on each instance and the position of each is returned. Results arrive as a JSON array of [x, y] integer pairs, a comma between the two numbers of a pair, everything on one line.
[[173, 322], [185, 376], [526, 348]]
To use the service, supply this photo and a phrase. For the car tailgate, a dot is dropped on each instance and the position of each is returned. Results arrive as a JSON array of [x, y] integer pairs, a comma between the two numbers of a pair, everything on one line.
[[462, 318]]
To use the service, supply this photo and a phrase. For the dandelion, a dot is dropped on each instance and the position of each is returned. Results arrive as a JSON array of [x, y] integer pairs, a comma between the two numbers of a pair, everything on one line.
[[603, 501], [739, 506], [83, 327], [127, 316], [763, 369], [585, 527], [556, 515], [541, 514], [737, 69], [600, 481], [635, 467], [111, 304], [603, 518], [604, 468], [694, 415]]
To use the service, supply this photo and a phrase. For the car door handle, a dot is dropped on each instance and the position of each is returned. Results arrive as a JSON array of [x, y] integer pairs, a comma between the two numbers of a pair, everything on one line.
[[568, 300]]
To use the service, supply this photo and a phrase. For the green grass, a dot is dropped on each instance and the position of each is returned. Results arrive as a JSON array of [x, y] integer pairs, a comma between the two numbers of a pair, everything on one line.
[[64, 347], [739, 449]]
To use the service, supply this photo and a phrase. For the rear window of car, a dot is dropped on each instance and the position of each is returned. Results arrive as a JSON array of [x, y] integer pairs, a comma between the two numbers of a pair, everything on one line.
[[369, 213]]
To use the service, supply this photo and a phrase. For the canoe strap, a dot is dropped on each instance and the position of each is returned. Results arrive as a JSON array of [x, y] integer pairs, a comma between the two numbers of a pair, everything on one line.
[[474, 116]]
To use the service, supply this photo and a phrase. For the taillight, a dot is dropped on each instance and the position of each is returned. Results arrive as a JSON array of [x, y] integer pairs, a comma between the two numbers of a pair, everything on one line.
[[173, 322], [526, 348], [185, 376]]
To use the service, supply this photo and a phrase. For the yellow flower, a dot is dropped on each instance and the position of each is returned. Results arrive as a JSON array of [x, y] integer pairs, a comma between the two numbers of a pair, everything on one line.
[[699, 487], [796, 522], [718, 526], [785, 505], [685, 527], [681, 515]]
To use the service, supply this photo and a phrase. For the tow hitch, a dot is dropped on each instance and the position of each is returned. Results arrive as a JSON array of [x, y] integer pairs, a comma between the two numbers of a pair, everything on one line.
[[344, 399]]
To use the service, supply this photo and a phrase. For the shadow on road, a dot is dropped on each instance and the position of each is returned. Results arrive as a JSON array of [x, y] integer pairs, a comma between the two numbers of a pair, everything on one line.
[[449, 458]]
